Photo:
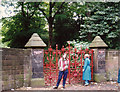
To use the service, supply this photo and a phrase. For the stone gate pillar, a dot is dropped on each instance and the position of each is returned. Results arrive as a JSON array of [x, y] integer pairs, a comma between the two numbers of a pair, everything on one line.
[[37, 46], [99, 47]]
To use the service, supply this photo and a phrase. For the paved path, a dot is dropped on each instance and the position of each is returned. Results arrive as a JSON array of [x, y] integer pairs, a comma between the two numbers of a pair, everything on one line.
[[92, 86], [95, 86]]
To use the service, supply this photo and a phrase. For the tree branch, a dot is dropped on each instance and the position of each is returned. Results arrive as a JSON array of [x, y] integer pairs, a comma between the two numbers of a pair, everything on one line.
[[53, 4], [50, 9], [32, 13], [43, 12], [58, 9], [36, 6], [22, 8], [27, 10]]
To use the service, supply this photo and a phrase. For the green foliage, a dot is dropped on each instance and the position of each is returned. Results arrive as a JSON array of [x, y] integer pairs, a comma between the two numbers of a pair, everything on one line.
[[73, 21], [17, 30], [102, 19], [79, 44], [65, 29]]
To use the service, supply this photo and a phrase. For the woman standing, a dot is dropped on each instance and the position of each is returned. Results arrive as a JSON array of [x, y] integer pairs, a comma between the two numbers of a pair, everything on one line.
[[119, 77], [86, 70]]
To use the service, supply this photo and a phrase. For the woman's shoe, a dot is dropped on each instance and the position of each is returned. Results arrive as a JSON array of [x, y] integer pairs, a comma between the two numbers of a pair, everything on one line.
[[118, 84]]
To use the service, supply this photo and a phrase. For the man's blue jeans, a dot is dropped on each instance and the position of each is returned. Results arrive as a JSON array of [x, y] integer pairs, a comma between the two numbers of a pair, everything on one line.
[[64, 74]]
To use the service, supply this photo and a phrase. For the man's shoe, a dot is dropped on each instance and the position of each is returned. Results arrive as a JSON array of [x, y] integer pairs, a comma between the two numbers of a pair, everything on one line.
[[86, 84], [55, 87], [63, 88]]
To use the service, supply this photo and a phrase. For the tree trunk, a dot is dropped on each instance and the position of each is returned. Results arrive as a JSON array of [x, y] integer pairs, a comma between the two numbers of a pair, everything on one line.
[[89, 37], [50, 19], [50, 22], [50, 33]]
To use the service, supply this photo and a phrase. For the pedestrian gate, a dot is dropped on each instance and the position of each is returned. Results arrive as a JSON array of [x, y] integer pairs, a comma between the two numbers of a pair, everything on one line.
[[76, 63]]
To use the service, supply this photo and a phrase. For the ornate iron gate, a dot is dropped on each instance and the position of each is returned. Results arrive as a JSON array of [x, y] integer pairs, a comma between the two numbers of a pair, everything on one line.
[[50, 64]]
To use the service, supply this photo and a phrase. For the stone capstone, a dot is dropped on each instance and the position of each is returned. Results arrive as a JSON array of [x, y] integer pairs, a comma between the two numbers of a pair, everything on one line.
[[98, 42], [35, 41]]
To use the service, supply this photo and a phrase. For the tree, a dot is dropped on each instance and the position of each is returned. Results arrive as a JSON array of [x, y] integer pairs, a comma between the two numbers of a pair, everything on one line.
[[64, 19], [32, 9], [65, 30], [102, 19], [54, 9], [18, 29], [48, 11], [67, 23]]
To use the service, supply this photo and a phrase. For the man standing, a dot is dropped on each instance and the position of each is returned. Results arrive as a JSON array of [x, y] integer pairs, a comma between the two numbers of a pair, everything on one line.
[[63, 64]]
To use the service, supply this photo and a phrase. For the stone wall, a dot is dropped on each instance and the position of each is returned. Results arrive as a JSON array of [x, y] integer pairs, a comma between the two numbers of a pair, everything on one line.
[[0, 69], [16, 68], [106, 64], [27, 67], [112, 64]]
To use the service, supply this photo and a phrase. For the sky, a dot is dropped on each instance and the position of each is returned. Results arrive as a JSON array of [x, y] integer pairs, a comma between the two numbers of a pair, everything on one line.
[[1, 12], [4, 12]]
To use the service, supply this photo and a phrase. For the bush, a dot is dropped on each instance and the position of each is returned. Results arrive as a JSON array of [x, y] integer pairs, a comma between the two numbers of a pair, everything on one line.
[[79, 44]]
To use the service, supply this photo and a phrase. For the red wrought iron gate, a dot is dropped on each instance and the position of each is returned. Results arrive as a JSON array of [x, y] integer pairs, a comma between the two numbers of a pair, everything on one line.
[[50, 64]]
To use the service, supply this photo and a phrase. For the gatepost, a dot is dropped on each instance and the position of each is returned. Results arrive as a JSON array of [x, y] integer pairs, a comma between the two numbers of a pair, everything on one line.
[[37, 46], [99, 47]]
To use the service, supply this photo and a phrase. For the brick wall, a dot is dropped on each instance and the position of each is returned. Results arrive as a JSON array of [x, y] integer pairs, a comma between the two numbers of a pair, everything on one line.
[[16, 68], [112, 64]]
